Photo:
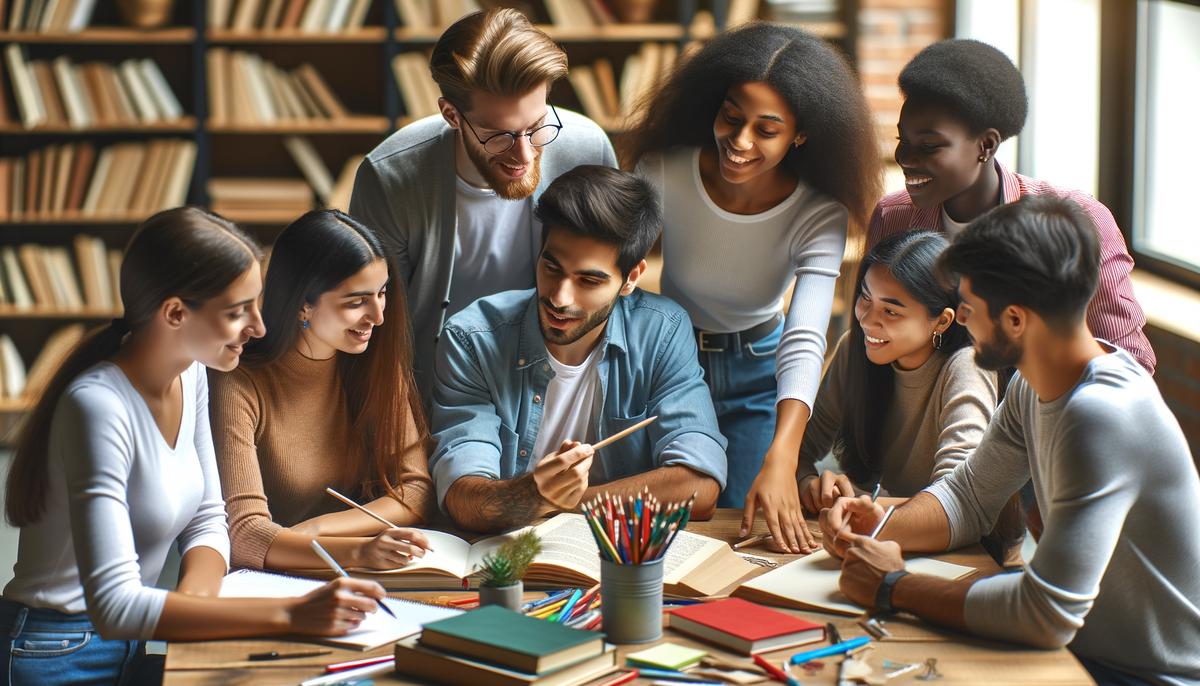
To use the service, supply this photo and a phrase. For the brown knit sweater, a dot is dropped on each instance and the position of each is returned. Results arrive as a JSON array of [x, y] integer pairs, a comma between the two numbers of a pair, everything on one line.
[[282, 434]]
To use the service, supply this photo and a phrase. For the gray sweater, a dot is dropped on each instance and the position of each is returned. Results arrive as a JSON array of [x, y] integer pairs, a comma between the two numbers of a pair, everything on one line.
[[1116, 574], [405, 189]]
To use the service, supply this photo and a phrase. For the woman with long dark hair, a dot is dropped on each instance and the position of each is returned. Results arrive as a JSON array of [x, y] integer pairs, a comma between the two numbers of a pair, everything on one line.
[[325, 399], [116, 463], [764, 153], [903, 401]]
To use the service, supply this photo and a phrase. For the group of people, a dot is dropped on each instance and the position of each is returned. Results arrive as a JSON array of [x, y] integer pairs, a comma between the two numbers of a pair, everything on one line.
[[457, 342]]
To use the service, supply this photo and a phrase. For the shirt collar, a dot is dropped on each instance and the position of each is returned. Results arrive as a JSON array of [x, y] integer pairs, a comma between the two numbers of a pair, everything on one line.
[[532, 346]]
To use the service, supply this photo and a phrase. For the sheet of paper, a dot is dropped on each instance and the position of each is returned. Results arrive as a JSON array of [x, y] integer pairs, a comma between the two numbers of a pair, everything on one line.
[[376, 630]]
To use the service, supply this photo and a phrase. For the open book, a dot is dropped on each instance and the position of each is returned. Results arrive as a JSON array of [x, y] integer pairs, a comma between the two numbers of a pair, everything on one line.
[[811, 583], [694, 565]]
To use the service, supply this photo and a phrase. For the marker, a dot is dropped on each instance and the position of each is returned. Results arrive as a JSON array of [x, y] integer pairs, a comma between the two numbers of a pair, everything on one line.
[[776, 673], [843, 647]]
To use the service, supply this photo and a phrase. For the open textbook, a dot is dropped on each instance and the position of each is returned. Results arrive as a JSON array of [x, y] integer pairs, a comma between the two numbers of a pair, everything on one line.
[[378, 629], [695, 565], [811, 583]]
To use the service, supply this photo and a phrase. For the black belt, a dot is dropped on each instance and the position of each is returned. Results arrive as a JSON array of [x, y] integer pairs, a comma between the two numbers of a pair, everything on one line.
[[720, 342]]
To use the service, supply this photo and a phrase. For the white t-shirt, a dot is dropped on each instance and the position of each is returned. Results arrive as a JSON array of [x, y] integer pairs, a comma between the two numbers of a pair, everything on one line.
[[495, 247], [118, 497], [572, 404], [950, 227]]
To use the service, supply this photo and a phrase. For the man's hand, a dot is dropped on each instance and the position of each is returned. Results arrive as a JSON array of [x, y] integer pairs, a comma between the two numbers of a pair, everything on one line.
[[818, 493], [848, 516], [562, 477], [866, 562]]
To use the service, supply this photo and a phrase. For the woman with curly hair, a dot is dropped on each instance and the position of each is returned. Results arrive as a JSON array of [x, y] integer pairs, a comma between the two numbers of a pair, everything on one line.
[[762, 148]]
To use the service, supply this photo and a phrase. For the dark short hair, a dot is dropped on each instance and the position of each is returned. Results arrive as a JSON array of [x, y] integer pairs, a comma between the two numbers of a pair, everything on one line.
[[975, 80], [607, 205], [1040, 252]]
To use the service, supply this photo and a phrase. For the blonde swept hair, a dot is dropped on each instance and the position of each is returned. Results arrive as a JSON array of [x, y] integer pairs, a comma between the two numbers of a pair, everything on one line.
[[498, 52]]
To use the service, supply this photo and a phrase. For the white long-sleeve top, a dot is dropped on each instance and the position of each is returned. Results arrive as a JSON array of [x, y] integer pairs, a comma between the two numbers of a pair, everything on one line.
[[731, 271], [118, 496], [1116, 574]]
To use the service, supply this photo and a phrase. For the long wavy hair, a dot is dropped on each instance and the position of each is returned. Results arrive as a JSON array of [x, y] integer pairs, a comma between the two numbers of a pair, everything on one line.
[[312, 256], [841, 157], [911, 258], [188, 253]]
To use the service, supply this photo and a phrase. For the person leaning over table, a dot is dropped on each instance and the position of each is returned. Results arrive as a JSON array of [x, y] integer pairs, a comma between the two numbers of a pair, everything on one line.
[[1114, 577], [527, 380], [452, 195]]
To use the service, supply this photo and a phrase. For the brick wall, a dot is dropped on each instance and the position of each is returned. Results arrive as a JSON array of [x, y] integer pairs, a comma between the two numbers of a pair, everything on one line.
[[890, 33], [1178, 377]]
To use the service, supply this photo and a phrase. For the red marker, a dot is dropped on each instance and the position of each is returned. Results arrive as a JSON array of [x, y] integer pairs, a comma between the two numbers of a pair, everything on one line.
[[776, 673], [355, 664]]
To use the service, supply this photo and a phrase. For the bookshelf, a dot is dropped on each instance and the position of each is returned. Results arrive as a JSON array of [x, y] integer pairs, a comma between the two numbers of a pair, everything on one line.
[[231, 154]]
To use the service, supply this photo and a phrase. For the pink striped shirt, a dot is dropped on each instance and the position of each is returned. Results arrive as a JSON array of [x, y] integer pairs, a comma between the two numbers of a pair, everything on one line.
[[1114, 313]]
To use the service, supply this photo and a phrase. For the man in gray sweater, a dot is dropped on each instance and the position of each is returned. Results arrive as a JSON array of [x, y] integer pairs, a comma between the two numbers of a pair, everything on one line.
[[1116, 575], [452, 195]]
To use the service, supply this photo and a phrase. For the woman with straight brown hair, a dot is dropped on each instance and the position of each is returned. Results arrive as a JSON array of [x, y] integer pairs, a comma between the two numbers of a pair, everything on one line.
[[116, 463], [325, 399]]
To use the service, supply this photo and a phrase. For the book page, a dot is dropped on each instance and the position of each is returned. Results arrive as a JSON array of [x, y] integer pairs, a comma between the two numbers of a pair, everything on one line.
[[687, 552], [450, 554]]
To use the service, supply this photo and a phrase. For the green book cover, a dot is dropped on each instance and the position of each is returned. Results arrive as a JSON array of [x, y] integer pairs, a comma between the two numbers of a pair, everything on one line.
[[493, 633]]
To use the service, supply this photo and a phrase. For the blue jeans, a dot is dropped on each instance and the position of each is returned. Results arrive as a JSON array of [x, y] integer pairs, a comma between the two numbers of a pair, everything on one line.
[[742, 385], [48, 648]]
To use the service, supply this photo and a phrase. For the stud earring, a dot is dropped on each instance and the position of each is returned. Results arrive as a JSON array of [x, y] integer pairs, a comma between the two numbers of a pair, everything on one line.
[[304, 324], [983, 157], [937, 340]]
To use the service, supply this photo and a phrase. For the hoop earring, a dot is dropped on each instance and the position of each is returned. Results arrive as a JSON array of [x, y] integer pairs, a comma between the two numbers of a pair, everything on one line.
[[937, 340]]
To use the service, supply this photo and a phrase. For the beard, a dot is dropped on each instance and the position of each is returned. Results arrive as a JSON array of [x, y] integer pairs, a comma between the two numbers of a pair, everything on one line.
[[568, 336], [506, 188], [999, 353]]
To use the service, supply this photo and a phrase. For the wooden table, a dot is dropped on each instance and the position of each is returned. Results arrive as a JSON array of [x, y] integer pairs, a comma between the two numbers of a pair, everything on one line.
[[960, 659]]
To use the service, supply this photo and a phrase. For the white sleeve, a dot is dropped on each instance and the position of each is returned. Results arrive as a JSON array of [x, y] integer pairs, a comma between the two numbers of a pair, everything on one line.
[[93, 439], [208, 526]]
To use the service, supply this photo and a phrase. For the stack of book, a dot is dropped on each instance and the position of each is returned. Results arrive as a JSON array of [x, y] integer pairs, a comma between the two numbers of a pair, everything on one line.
[[18, 384], [745, 627], [48, 16], [71, 180], [433, 14], [45, 277], [493, 646], [613, 106], [243, 88], [306, 16], [417, 87], [233, 197], [61, 93]]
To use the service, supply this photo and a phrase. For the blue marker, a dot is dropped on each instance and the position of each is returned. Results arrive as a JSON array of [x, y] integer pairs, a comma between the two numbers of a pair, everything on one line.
[[837, 649], [672, 675]]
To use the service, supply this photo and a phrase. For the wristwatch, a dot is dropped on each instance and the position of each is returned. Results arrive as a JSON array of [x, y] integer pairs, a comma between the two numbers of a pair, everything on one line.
[[883, 595]]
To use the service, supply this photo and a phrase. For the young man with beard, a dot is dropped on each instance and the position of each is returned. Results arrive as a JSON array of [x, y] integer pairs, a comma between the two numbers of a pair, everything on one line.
[[1114, 575], [452, 195], [527, 380]]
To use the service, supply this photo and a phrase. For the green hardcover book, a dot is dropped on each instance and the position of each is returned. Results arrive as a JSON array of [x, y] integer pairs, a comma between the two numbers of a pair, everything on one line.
[[503, 637]]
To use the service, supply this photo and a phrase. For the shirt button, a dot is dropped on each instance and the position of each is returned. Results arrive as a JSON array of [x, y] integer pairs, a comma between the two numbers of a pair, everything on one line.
[[521, 362], [537, 399], [545, 368], [524, 453]]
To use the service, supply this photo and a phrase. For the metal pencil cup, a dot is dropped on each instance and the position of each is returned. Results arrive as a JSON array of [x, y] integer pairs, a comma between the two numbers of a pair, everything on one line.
[[631, 601]]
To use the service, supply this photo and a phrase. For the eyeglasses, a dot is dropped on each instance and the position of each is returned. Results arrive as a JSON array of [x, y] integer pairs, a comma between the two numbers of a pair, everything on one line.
[[502, 142]]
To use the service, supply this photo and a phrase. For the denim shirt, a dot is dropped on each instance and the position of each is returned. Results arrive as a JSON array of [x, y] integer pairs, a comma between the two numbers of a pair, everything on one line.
[[493, 369]]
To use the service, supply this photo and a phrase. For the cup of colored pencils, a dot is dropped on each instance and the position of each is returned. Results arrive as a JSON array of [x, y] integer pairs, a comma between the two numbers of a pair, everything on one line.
[[633, 534]]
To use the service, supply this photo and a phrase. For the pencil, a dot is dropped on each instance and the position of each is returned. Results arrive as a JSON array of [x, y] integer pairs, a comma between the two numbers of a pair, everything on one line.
[[369, 513], [328, 559], [616, 437]]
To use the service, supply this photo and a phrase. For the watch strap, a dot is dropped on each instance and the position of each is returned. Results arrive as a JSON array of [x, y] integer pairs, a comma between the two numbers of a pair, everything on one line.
[[883, 595]]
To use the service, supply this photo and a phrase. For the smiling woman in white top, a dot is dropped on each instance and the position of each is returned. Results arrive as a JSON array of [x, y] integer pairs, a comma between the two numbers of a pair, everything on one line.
[[116, 463], [764, 153]]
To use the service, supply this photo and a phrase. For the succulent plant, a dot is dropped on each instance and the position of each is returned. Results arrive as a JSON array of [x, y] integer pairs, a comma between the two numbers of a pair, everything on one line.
[[507, 565]]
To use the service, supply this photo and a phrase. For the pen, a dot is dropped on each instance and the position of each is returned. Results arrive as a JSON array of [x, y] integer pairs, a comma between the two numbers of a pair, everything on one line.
[[844, 646], [776, 673], [622, 678], [875, 491], [355, 664], [328, 559], [883, 522], [276, 655], [672, 675]]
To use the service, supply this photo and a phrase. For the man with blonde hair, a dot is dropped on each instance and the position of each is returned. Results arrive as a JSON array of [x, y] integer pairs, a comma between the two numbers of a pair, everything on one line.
[[452, 195]]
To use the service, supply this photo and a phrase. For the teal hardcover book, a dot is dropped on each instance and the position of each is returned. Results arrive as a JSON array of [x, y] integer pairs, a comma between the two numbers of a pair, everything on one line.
[[503, 637]]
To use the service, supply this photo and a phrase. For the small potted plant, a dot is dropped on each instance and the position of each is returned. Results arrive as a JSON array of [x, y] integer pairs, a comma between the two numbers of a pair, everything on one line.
[[501, 571]]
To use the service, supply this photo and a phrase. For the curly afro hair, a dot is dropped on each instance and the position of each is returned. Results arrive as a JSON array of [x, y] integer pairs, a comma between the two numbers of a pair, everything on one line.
[[974, 79]]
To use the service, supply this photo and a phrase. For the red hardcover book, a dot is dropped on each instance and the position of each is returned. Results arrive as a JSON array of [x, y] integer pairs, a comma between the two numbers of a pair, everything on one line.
[[745, 627]]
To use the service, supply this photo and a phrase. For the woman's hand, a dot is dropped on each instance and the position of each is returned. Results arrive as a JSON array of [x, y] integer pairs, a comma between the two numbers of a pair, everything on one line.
[[774, 490], [818, 493], [335, 608], [391, 549]]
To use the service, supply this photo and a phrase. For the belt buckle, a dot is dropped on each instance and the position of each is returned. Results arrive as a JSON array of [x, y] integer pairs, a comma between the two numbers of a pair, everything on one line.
[[704, 346]]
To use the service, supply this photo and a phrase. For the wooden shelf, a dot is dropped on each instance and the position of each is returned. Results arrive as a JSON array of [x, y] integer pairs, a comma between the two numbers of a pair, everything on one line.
[[181, 125], [105, 34], [11, 312], [15, 405], [263, 217], [370, 34], [356, 124], [588, 34], [73, 219]]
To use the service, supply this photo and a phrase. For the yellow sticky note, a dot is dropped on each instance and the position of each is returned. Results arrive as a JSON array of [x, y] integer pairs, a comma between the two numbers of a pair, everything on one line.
[[666, 656]]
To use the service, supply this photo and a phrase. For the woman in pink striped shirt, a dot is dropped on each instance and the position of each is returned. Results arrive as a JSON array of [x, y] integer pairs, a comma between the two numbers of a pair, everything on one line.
[[962, 99]]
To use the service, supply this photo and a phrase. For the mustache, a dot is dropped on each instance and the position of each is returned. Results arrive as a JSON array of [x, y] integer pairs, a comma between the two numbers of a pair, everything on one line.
[[561, 311]]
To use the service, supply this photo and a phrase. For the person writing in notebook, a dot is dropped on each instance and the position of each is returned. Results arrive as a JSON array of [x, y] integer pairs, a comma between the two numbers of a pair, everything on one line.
[[452, 194], [527, 380], [1114, 575]]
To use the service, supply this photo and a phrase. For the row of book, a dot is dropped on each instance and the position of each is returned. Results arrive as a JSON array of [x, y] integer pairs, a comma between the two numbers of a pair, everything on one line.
[[433, 14], [76, 179], [244, 88], [418, 90], [612, 105], [20, 383], [48, 16], [579, 13], [306, 16], [44, 277], [236, 196], [61, 93]]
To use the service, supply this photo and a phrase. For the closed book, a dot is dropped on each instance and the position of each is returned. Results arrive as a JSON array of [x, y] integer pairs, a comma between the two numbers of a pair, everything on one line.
[[745, 627], [271, 17], [218, 14], [122, 101], [54, 351], [25, 90], [413, 659], [33, 176], [81, 16], [311, 165], [178, 176], [314, 16], [95, 291], [6, 189], [358, 14], [339, 12], [218, 85], [164, 97], [78, 112], [43, 77], [606, 78], [114, 271], [500, 636], [38, 277], [81, 169], [18, 287], [14, 368], [321, 92], [292, 14], [62, 178], [244, 16], [45, 196], [135, 85]]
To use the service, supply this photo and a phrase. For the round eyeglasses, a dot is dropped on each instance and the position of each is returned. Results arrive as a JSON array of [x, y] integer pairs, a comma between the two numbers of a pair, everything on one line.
[[502, 142]]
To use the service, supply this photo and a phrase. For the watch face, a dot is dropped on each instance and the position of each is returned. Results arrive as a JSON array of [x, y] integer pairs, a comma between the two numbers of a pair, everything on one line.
[[883, 596]]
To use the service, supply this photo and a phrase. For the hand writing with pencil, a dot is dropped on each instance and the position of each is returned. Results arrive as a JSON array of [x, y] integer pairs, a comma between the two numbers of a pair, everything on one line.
[[562, 477], [866, 562], [390, 549], [848, 516], [335, 608]]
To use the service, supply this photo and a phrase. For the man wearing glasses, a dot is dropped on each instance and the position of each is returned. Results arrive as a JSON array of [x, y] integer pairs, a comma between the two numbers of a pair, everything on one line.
[[452, 196]]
